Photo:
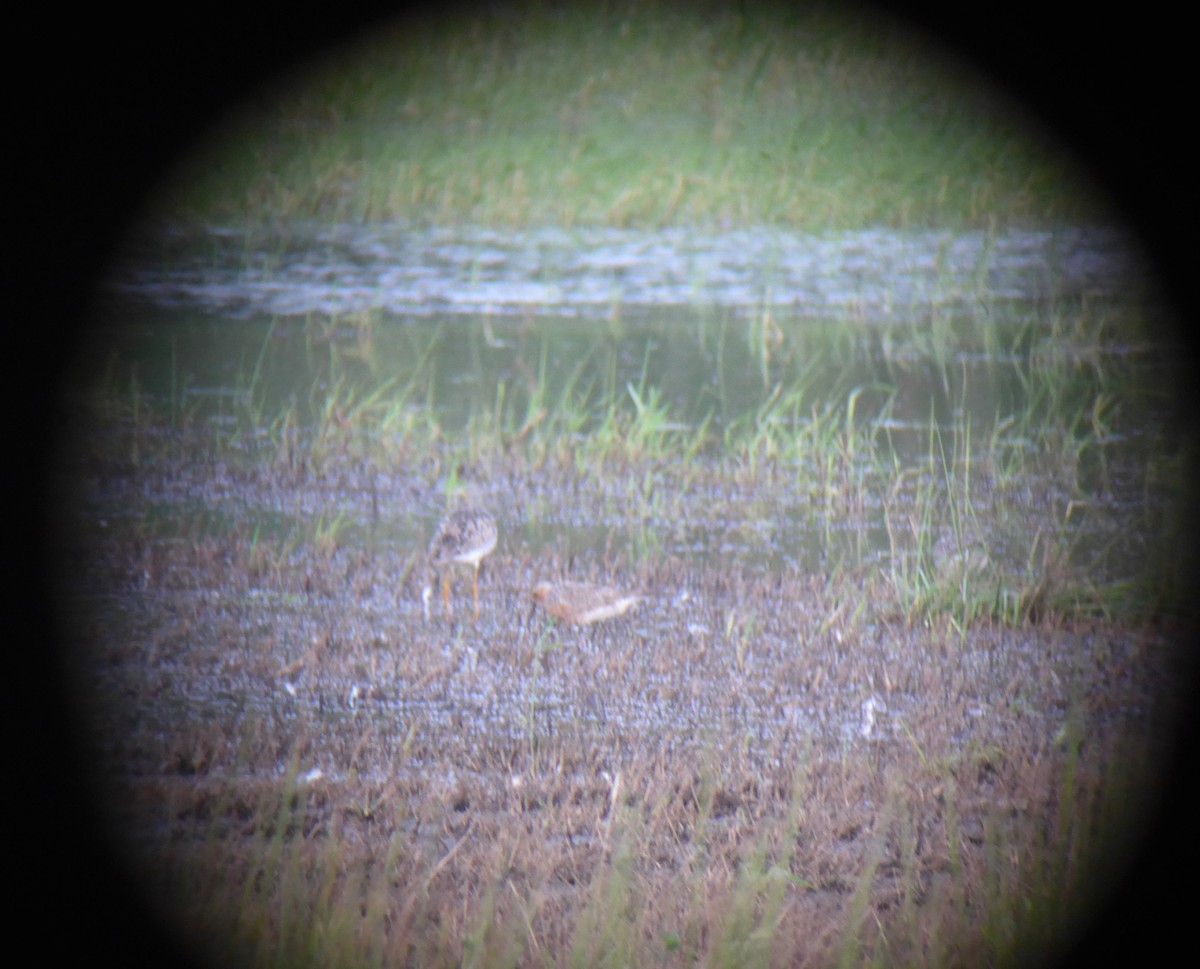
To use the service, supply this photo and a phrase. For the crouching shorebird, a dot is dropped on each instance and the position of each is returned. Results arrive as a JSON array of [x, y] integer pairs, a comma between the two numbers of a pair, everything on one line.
[[581, 603], [464, 537]]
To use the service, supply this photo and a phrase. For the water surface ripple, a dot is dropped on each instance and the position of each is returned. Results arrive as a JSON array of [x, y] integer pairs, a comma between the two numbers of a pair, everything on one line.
[[405, 269]]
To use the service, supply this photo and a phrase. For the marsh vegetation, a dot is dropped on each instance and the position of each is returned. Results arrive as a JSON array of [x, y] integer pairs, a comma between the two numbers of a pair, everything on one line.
[[894, 470]]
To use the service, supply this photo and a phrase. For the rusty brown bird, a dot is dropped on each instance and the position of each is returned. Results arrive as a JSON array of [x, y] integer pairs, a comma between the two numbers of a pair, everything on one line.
[[582, 603]]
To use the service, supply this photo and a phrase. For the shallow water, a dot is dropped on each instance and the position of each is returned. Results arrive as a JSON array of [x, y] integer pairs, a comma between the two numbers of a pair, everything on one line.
[[928, 346], [880, 275], [262, 433]]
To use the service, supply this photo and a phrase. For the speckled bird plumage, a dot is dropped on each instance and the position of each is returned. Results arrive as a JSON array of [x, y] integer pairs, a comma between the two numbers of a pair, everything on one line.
[[464, 537]]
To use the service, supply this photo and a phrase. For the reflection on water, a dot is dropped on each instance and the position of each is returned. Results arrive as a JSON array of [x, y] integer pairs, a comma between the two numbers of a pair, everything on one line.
[[935, 350], [410, 270], [880, 412]]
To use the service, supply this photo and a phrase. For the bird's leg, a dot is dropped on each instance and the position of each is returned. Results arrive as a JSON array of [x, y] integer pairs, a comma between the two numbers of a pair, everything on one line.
[[475, 592], [446, 592]]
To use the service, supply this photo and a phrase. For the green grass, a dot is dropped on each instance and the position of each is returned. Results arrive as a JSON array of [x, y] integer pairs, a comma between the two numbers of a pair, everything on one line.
[[634, 114], [639, 115], [288, 873], [967, 538]]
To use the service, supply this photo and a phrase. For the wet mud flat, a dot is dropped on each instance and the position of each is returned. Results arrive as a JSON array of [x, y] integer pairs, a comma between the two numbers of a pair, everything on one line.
[[778, 759]]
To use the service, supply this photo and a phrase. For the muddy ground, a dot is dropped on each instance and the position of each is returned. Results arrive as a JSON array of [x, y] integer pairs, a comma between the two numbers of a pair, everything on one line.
[[757, 756]]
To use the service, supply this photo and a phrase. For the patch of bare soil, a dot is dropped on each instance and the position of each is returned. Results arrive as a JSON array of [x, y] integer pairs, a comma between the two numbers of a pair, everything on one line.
[[749, 757]]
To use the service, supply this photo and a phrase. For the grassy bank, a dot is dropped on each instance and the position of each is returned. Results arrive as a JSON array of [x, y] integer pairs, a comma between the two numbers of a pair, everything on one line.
[[635, 114], [1052, 493], [915, 729], [897, 689], [368, 787]]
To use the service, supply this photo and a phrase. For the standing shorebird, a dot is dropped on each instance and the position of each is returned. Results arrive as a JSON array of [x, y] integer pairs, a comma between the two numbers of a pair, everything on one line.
[[581, 603], [464, 537]]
